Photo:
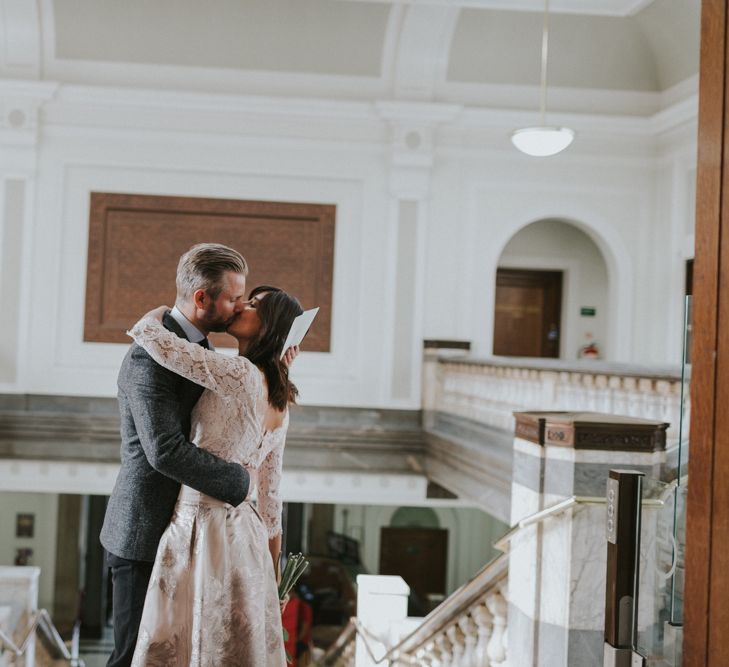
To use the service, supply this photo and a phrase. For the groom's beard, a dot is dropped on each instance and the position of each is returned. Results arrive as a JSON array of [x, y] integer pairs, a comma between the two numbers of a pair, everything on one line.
[[214, 322]]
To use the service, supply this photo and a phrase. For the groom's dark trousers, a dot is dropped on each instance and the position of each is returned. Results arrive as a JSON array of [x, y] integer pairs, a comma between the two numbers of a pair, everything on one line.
[[156, 458], [129, 579]]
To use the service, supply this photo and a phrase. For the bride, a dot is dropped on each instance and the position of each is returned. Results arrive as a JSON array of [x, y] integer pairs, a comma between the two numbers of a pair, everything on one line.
[[212, 600]]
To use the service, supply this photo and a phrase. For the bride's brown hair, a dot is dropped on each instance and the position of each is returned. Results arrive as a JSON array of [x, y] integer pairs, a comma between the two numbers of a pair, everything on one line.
[[277, 311]]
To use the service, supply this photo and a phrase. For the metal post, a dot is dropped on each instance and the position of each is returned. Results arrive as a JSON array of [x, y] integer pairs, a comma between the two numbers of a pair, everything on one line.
[[624, 495]]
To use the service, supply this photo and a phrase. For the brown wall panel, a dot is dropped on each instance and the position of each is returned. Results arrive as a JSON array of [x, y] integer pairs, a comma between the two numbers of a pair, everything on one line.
[[135, 242]]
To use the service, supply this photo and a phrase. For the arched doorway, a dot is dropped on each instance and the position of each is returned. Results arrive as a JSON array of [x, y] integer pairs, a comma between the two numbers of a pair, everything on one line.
[[551, 294], [415, 547]]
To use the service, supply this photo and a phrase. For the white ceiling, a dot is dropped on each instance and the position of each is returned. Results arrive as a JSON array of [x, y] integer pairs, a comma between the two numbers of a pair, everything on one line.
[[318, 36], [461, 51]]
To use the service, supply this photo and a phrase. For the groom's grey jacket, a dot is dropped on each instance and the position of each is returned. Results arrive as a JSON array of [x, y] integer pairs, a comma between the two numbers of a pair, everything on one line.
[[156, 456]]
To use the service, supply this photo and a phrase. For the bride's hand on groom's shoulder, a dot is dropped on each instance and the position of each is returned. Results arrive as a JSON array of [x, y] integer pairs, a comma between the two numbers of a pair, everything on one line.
[[158, 313]]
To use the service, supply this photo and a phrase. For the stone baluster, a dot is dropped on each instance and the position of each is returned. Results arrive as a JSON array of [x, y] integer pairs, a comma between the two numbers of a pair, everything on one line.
[[445, 650], [427, 655], [470, 636], [504, 591], [497, 606], [456, 638], [421, 658], [602, 395], [615, 403], [484, 620]]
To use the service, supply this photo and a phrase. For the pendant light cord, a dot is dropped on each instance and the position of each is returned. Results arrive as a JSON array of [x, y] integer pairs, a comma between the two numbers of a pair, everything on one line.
[[545, 52]]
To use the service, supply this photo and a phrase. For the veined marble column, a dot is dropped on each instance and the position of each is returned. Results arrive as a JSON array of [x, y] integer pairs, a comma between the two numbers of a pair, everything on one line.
[[557, 595], [527, 497]]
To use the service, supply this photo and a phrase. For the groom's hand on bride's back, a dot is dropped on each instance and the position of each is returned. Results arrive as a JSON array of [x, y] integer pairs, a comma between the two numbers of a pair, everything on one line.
[[290, 355]]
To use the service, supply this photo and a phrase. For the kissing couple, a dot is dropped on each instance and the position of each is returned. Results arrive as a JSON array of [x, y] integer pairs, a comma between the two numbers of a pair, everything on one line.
[[194, 563]]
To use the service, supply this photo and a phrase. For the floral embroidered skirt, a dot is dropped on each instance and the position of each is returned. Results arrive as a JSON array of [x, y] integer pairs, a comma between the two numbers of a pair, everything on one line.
[[212, 600]]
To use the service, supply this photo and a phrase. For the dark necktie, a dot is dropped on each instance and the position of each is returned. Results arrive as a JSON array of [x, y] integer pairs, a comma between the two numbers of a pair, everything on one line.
[[204, 343]]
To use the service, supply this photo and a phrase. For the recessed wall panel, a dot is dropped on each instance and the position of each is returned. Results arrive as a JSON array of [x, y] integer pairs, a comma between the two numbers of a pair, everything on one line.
[[135, 242], [11, 230]]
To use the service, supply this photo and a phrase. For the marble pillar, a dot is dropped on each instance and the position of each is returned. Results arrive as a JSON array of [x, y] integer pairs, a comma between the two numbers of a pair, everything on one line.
[[557, 590], [527, 497]]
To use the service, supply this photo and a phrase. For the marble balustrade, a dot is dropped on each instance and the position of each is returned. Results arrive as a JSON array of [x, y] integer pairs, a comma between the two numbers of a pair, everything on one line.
[[489, 391], [469, 629]]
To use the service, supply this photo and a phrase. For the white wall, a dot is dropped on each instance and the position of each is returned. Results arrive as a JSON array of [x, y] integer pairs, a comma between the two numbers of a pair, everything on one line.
[[458, 194], [488, 201], [45, 508], [558, 246], [471, 534]]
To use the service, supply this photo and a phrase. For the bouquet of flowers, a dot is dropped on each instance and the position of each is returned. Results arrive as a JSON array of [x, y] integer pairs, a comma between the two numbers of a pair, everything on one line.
[[294, 568]]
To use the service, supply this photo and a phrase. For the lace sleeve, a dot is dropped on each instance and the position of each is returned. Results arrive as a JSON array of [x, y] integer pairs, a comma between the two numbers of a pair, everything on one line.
[[217, 372], [269, 481]]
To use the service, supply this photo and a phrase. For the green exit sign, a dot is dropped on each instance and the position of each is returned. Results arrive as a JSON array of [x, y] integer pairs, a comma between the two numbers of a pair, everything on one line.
[[588, 312]]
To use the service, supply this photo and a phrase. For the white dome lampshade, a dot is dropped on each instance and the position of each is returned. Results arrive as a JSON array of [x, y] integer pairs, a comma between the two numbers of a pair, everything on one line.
[[542, 141]]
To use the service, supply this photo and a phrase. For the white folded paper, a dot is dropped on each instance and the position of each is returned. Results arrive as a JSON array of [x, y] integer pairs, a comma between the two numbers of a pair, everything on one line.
[[298, 329]]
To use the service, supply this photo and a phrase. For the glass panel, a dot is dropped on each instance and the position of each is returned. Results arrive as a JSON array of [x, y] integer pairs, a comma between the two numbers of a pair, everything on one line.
[[663, 538], [679, 514], [656, 567]]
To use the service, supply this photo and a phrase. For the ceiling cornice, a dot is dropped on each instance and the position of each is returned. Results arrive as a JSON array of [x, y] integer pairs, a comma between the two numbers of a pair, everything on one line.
[[594, 7]]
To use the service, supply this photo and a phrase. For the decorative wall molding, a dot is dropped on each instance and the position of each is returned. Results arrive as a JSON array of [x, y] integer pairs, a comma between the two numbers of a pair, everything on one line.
[[87, 101], [20, 105]]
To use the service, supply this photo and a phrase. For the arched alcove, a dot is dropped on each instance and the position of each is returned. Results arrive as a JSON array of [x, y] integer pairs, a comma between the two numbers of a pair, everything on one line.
[[414, 517], [552, 293]]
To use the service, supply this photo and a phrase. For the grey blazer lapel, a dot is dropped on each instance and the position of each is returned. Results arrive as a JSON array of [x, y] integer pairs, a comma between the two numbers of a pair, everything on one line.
[[171, 324]]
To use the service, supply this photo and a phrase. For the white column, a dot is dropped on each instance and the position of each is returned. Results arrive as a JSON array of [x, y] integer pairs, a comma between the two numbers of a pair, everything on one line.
[[527, 497], [19, 599], [20, 104], [381, 602], [412, 127]]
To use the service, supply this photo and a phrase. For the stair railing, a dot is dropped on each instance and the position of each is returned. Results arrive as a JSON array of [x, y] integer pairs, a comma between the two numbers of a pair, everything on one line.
[[470, 622], [41, 620]]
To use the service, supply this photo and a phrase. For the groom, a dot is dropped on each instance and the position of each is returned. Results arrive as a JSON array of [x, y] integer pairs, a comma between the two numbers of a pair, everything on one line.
[[156, 453]]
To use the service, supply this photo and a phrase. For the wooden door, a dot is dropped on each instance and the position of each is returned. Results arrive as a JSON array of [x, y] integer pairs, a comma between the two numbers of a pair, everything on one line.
[[418, 555], [528, 311]]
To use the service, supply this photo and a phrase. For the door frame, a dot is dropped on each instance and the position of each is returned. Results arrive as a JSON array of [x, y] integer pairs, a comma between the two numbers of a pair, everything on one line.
[[706, 593], [570, 268]]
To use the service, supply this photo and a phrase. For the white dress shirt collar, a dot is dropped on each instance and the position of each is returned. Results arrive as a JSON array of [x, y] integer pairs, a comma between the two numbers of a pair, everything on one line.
[[194, 335]]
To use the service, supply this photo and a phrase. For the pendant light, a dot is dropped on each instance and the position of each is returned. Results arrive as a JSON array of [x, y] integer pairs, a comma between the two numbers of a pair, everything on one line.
[[543, 140]]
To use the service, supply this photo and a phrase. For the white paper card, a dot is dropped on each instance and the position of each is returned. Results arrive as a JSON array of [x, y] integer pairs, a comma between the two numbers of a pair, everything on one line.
[[298, 330]]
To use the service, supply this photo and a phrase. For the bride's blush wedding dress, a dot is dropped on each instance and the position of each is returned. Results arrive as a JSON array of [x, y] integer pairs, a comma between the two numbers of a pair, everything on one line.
[[212, 600]]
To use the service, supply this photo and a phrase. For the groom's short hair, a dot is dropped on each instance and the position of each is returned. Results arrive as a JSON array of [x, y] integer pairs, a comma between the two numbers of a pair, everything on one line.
[[203, 267]]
